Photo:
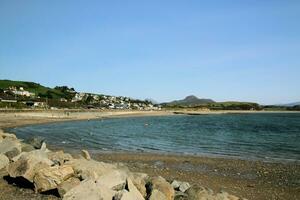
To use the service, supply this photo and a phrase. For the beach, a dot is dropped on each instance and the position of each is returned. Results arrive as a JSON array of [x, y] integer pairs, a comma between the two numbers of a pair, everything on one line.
[[245, 178]]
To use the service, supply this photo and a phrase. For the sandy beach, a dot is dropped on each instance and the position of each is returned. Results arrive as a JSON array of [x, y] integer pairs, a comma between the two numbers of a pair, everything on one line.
[[249, 179]]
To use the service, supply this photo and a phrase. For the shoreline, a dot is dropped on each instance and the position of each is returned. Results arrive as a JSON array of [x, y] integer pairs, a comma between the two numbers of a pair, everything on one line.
[[252, 179]]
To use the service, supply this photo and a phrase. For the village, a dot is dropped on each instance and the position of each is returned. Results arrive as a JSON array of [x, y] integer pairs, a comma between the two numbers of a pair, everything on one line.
[[13, 97]]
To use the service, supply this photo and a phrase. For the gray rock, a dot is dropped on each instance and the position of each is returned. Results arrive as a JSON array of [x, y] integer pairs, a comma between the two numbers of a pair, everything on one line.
[[175, 184], [67, 185], [198, 193], [184, 186], [4, 161], [89, 189], [49, 178]]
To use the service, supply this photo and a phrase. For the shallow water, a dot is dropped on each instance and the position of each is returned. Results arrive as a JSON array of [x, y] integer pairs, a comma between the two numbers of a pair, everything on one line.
[[247, 136]]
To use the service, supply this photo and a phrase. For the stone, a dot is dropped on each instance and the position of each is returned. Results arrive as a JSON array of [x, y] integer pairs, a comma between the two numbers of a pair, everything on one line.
[[199, 193], [26, 147], [85, 154], [59, 157], [49, 178], [4, 161], [67, 185], [4, 135], [115, 180], [89, 189], [133, 192], [184, 186], [180, 195], [175, 184], [160, 184], [180, 186], [140, 180], [225, 196], [27, 164], [10, 147], [90, 169], [36, 142], [157, 195]]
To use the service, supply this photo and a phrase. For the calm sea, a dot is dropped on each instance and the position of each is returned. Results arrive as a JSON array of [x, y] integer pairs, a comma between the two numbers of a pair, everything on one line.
[[248, 136]]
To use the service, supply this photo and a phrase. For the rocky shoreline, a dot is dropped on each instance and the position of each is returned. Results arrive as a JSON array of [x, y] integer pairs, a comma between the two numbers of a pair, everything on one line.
[[57, 174]]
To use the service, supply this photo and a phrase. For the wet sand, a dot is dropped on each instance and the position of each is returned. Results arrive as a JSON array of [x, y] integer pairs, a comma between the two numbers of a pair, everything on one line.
[[248, 179]]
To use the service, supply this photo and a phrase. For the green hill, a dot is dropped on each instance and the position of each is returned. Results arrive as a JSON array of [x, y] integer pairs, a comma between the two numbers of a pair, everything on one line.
[[37, 89]]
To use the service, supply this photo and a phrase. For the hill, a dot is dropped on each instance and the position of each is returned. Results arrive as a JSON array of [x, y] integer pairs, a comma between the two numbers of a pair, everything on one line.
[[189, 101], [36, 89]]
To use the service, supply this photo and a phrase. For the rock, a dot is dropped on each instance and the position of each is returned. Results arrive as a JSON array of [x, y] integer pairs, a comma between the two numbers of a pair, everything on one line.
[[7, 135], [115, 180], [225, 196], [36, 142], [59, 157], [133, 192], [4, 161], [198, 193], [27, 164], [180, 196], [175, 184], [160, 184], [26, 147], [157, 195], [180, 186], [67, 185], [184, 186], [85, 154], [10, 147], [90, 169], [140, 180], [49, 178], [89, 189]]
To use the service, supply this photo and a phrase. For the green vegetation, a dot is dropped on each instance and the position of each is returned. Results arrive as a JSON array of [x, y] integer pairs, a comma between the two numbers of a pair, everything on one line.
[[38, 90]]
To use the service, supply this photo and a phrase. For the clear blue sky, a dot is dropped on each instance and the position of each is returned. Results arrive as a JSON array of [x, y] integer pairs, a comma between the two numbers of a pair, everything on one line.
[[224, 50]]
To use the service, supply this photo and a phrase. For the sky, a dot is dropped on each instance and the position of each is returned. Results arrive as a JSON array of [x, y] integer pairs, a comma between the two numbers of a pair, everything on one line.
[[160, 49]]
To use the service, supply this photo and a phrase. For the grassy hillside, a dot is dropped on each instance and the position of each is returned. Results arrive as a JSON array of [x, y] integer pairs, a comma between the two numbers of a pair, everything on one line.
[[36, 88]]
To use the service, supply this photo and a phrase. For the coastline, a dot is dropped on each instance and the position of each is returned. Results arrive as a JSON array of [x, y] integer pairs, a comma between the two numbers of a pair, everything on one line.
[[250, 179]]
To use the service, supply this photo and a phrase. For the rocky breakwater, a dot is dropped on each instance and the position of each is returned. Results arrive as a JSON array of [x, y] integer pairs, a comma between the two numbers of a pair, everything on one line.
[[84, 178]]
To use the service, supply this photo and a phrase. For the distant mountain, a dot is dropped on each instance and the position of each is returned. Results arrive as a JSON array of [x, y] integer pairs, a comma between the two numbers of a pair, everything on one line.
[[190, 101], [290, 104]]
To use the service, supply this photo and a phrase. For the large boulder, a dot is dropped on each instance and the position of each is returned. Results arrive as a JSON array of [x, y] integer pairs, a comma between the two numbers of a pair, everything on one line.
[[4, 161], [27, 164], [10, 147], [160, 184], [129, 193], [49, 178], [116, 180], [140, 180], [67, 185], [89, 189], [90, 169]]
